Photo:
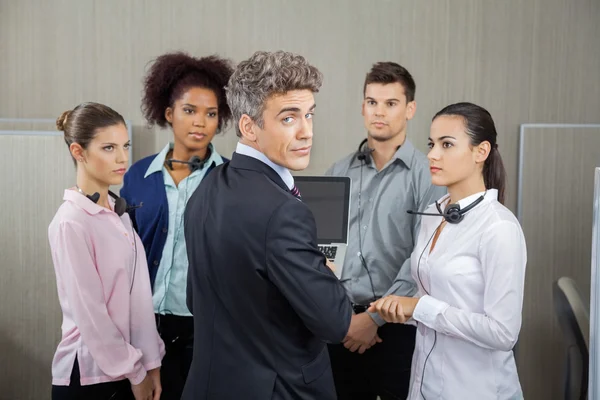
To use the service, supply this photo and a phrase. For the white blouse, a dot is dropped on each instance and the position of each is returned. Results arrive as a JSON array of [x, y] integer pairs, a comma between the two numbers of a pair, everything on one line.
[[471, 296]]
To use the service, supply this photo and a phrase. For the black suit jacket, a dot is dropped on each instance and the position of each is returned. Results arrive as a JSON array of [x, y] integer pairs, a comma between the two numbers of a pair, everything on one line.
[[264, 301]]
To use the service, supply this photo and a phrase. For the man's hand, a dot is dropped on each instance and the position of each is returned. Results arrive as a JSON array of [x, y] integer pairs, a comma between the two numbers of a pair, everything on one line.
[[330, 265], [143, 391], [155, 376], [395, 309], [362, 334]]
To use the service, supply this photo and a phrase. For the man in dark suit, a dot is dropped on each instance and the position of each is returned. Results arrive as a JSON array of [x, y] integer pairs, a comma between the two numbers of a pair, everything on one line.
[[264, 301]]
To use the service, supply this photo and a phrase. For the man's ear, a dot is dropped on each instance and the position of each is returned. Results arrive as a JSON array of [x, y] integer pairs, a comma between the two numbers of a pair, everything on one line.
[[247, 128], [411, 109]]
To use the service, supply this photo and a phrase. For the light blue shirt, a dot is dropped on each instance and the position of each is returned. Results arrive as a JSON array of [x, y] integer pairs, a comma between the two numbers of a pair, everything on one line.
[[169, 295], [283, 172]]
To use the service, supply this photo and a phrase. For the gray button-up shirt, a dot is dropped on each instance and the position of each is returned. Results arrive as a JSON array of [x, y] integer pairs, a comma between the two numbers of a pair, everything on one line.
[[388, 233]]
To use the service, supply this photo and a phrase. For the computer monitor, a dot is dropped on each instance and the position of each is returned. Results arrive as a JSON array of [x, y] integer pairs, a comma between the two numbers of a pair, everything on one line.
[[328, 197]]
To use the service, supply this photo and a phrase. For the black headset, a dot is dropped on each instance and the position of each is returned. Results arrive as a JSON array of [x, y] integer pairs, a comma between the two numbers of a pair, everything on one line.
[[453, 214], [364, 152], [121, 208], [194, 163]]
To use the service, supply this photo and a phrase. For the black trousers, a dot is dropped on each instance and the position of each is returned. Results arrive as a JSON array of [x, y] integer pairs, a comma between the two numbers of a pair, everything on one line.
[[383, 370], [178, 334], [119, 390]]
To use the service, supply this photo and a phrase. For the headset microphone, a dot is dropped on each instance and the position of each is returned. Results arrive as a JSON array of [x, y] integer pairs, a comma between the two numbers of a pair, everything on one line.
[[422, 213]]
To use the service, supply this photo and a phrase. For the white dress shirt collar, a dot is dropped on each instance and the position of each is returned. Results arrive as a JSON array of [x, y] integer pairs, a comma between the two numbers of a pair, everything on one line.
[[283, 172]]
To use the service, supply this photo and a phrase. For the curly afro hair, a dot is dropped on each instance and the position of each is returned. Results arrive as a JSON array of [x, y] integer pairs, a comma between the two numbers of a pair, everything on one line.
[[174, 73]]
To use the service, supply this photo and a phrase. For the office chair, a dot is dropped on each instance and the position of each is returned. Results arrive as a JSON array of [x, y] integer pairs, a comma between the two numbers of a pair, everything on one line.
[[574, 320]]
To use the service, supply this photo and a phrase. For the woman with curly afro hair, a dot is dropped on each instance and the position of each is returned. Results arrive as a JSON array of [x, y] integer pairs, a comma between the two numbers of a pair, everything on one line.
[[186, 94]]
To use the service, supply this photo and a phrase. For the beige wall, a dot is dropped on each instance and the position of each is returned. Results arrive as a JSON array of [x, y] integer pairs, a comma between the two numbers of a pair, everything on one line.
[[525, 61]]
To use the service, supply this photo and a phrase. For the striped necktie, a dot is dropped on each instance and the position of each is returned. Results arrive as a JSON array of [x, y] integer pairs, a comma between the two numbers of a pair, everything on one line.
[[295, 192]]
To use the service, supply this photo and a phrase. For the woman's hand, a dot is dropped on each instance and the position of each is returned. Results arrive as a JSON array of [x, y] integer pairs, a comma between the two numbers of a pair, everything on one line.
[[155, 376], [395, 309], [143, 391]]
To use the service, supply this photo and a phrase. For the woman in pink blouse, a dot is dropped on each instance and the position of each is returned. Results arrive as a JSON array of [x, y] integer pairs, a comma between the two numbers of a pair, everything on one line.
[[110, 348]]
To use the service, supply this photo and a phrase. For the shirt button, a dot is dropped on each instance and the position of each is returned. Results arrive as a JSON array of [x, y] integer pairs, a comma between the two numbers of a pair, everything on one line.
[[155, 262], [365, 227], [165, 230]]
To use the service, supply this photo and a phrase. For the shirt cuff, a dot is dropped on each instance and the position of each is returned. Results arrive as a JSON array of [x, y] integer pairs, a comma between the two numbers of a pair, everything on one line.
[[376, 318], [152, 365], [138, 376], [428, 309]]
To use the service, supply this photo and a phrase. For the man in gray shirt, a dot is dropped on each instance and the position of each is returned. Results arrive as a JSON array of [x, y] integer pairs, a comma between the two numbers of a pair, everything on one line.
[[389, 176]]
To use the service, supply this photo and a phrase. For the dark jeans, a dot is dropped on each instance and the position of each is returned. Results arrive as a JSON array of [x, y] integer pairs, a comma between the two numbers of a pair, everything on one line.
[[119, 390], [383, 370], [178, 334]]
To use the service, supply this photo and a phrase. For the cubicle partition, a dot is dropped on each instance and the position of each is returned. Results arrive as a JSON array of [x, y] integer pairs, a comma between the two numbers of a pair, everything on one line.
[[556, 175], [36, 169], [594, 378]]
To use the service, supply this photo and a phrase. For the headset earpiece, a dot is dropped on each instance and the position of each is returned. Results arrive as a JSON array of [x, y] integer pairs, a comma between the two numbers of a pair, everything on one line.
[[196, 163], [120, 206], [94, 197], [364, 153], [453, 214]]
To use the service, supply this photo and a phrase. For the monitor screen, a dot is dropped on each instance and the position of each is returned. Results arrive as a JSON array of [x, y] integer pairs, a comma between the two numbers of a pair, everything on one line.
[[328, 198]]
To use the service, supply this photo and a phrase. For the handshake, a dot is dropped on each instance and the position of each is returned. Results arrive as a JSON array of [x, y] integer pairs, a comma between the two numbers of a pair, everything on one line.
[[362, 334], [394, 309]]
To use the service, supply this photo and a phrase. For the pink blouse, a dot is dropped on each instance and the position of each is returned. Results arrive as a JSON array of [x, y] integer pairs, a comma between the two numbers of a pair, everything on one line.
[[111, 331]]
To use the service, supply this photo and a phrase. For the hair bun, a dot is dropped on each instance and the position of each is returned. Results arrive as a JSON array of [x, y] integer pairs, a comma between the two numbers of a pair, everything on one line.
[[61, 122]]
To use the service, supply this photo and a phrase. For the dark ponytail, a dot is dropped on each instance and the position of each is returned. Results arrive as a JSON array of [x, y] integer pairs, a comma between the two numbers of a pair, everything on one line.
[[480, 127]]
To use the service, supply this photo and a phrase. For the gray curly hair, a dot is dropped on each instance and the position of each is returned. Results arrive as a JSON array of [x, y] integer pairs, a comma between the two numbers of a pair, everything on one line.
[[266, 74]]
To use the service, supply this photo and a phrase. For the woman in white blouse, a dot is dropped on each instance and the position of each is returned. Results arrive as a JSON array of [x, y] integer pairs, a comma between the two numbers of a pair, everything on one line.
[[469, 266]]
